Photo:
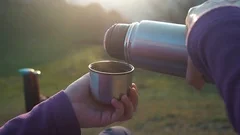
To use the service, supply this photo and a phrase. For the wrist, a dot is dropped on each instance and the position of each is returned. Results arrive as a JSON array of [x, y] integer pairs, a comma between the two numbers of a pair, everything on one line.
[[77, 108], [63, 114]]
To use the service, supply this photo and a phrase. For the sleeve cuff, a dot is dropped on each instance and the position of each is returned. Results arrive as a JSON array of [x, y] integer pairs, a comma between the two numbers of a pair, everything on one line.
[[64, 115]]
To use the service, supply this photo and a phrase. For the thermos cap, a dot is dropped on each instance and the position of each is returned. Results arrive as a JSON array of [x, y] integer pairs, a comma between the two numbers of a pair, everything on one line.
[[27, 71], [114, 40]]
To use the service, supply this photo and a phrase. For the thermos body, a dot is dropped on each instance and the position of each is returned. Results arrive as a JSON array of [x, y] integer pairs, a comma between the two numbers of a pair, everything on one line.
[[150, 45], [157, 46]]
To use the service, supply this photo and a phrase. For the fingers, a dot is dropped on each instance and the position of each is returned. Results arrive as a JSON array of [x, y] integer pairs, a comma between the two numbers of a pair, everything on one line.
[[193, 76], [86, 78], [119, 110], [124, 109], [128, 107], [79, 89], [134, 86], [83, 81], [133, 96]]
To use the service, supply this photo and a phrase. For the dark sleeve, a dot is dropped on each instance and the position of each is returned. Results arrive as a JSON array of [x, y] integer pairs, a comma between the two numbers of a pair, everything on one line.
[[54, 116], [214, 47]]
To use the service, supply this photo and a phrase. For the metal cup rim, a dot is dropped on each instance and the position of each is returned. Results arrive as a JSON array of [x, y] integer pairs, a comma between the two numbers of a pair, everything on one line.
[[112, 61]]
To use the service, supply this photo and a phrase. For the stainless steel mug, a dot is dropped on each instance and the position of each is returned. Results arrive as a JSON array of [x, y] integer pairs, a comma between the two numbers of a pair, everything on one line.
[[110, 79], [150, 45]]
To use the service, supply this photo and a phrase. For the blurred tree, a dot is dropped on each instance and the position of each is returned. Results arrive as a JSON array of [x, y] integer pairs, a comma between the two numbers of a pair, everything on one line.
[[36, 31], [31, 21]]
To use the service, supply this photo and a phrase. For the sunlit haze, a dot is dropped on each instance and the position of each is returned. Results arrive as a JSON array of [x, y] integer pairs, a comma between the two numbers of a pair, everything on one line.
[[132, 9], [140, 9]]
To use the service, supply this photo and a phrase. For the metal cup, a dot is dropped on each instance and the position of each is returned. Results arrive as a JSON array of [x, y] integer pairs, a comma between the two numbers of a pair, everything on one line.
[[110, 79]]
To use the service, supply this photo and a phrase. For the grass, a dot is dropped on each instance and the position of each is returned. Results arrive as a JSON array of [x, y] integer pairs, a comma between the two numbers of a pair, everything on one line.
[[167, 106]]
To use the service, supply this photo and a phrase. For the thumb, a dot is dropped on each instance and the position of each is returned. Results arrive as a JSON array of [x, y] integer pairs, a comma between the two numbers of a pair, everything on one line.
[[119, 111], [83, 81]]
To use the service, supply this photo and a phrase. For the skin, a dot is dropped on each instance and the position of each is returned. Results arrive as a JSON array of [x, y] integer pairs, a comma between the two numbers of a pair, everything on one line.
[[193, 76], [92, 114]]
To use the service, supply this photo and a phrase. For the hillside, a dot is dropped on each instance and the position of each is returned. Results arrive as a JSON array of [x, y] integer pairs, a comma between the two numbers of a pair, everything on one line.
[[167, 105], [42, 28]]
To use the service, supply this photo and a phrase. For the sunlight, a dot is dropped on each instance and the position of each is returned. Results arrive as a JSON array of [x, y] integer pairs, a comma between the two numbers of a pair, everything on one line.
[[130, 9], [104, 3]]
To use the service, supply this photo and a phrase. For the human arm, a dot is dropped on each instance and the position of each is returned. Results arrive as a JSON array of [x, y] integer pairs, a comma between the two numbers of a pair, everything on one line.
[[213, 44], [54, 116], [68, 111]]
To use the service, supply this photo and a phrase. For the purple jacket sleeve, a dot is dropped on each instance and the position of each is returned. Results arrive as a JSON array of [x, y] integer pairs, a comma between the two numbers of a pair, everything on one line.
[[54, 116], [214, 47]]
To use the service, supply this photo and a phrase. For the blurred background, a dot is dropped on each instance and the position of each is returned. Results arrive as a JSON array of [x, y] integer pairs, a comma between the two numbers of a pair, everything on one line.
[[61, 37]]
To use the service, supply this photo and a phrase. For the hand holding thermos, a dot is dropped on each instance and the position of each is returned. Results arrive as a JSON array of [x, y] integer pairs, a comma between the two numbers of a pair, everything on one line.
[[193, 76]]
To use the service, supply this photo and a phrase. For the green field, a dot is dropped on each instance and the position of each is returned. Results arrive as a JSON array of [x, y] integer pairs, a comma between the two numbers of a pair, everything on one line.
[[167, 105]]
